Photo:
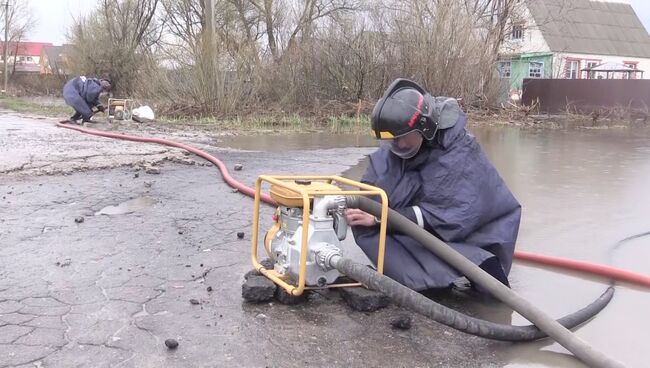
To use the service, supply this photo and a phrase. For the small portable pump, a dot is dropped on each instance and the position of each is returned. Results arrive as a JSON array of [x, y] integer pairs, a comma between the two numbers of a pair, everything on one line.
[[119, 109], [308, 229], [326, 229]]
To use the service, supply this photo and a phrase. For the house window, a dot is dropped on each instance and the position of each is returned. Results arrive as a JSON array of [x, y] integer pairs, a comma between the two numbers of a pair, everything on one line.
[[592, 64], [29, 58], [504, 69], [631, 65], [573, 69], [536, 69], [517, 31], [21, 58]]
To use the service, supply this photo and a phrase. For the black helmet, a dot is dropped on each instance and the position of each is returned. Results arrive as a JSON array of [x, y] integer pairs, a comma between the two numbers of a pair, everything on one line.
[[405, 107]]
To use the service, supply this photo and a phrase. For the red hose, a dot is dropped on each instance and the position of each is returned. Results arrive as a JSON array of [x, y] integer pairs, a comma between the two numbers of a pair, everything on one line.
[[615, 273], [583, 266], [224, 171]]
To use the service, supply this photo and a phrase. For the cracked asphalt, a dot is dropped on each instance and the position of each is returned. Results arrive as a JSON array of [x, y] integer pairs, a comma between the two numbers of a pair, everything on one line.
[[104, 243], [79, 288]]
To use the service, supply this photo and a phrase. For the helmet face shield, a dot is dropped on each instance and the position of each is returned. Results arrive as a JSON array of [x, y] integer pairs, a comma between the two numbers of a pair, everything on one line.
[[407, 145], [405, 107]]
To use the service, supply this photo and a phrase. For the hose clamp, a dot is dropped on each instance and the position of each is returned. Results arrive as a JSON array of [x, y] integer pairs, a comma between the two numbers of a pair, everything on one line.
[[324, 254]]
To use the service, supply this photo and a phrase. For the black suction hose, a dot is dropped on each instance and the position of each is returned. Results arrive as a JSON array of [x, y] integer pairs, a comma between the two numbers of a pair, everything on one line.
[[402, 294], [417, 302]]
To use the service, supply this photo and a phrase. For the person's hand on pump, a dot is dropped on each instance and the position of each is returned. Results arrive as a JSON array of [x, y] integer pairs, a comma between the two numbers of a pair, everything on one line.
[[356, 217]]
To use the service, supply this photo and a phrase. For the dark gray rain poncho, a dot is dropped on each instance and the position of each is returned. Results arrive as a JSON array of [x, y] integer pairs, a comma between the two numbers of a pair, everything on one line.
[[82, 94], [462, 200]]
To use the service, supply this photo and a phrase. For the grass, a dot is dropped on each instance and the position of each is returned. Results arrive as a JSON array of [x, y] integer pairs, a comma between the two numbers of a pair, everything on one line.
[[26, 106], [291, 122], [282, 123], [347, 124]]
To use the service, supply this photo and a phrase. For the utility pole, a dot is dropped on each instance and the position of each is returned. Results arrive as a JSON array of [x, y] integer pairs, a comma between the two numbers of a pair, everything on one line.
[[209, 23], [209, 45], [6, 45]]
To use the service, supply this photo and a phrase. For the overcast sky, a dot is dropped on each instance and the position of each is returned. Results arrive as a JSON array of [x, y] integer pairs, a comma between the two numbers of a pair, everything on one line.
[[54, 17]]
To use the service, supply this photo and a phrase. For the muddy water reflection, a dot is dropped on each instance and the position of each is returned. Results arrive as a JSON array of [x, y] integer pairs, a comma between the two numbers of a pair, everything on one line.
[[129, 206], [582, 191], [285, 142]]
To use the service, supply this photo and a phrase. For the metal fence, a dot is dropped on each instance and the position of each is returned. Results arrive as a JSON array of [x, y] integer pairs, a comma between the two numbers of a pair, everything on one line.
[[586, 95]]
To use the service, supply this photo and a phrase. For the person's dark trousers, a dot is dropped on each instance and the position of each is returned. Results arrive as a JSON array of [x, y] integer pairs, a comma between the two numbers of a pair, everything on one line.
[[76, 116]]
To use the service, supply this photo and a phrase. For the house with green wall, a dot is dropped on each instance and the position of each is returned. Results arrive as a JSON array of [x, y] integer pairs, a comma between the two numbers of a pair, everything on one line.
[[560, 39], [531, 65]]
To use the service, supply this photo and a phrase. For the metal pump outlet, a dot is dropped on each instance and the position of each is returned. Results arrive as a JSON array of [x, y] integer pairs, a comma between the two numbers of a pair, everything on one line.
[[326, 229], [308, 229]]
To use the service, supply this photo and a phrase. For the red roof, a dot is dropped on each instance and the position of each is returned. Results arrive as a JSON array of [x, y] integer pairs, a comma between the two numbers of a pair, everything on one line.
[[25, 48]]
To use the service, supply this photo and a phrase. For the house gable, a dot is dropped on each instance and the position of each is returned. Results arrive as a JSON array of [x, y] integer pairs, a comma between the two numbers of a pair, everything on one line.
[[26, 48], [590, 27], [523, 35]]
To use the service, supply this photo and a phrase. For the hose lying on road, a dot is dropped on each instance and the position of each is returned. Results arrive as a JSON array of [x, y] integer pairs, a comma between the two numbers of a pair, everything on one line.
[[588, 267], [545, 323], [553, 328], [419, 303], [222, 168]]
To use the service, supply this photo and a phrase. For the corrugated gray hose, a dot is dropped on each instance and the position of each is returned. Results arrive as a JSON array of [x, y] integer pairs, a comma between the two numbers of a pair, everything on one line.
[[405, 297]]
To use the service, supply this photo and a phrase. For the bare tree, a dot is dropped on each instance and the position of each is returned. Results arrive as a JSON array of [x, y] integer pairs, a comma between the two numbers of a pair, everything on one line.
[[449, 46], [116, 39], [290, 55], [185, 21], [208, 75], [285, 20], [351, 58], [20, 21]]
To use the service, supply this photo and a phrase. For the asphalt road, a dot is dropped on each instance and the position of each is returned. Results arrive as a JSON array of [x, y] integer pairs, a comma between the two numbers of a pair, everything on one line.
[[82, 288]]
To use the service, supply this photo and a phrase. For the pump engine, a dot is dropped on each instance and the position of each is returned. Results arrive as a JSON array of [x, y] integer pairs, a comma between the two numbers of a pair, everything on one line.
[[308, 229], [326, 229]]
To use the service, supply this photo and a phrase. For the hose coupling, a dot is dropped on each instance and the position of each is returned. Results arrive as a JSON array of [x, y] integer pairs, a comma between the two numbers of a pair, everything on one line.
[[323, 255]]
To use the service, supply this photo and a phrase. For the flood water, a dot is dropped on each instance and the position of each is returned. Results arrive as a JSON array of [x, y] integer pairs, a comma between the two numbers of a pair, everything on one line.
[[582, 191], [130, 206], [284, 142]]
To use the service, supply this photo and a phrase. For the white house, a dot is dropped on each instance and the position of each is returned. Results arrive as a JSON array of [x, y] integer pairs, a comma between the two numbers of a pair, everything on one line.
[[24, 56], [560, 39]]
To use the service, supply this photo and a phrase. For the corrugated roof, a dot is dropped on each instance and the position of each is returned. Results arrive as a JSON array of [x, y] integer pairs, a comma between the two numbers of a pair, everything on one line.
[[591, 27], [26, 48]]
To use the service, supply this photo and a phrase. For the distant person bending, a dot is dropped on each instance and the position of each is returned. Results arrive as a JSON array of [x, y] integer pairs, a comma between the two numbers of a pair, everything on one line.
[[82, 94]]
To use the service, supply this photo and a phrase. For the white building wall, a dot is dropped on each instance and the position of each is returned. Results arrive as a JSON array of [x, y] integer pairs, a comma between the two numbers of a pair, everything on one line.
[[532, 40], [560, 63], [34, 60]]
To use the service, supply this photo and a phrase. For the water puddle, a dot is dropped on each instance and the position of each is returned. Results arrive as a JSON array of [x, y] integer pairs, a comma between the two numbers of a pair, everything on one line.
[[129, 206], [296, 141]]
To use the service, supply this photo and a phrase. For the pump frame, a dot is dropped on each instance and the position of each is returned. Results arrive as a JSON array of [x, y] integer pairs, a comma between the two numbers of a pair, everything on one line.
[[127, 105], [287, 181]]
